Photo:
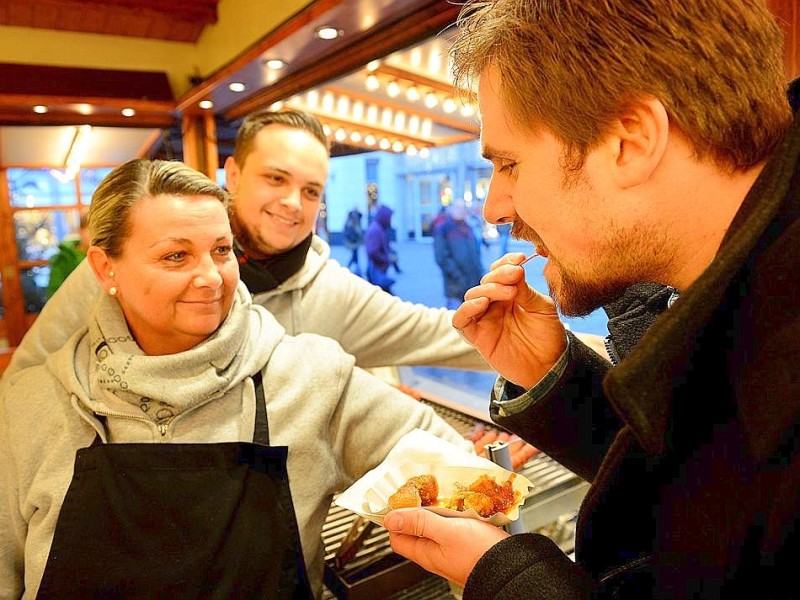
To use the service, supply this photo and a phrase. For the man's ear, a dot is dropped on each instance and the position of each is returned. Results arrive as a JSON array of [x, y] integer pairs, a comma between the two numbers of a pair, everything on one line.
[[640, 139], [231, 174], [101, 265]]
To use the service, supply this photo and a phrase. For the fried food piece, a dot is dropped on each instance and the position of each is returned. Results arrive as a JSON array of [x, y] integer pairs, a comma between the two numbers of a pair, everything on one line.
[[503, 496], [428, 488], [466, 500], [405, 497], [422, 490]]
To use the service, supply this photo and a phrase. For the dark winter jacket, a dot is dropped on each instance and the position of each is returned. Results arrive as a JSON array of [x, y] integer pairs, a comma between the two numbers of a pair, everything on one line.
[[458, 256], [691, 442]]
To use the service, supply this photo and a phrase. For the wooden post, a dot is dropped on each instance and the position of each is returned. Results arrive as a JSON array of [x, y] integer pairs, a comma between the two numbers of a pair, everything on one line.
[[200, 151], [13, 296]]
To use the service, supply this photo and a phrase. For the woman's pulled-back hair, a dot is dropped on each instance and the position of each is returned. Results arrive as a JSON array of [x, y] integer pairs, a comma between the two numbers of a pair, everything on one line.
[[570, 66], [118, 193], [287, 117]]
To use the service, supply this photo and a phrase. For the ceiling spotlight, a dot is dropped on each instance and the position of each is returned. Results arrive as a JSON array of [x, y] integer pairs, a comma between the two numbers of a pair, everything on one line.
[[237, 86], [275, 64], [369, 139], [340, 135], [326, 129], [424, 153], [411, 150], [373, 65], [205, 104], [128, 112], [85, 109], [327, 32], [431, 100], [384, 144], [372, 83], [276, 105], [40, 109], [355, 137], [398, 146]]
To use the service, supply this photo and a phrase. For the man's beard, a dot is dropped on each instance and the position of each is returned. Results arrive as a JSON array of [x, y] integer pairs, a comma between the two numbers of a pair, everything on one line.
[[253, 247], [574, 294]]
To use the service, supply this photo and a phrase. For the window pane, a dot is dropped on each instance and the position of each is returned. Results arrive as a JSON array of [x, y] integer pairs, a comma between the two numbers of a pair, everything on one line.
[[39, 232], [90, 179], [34, 287], [30, 188]]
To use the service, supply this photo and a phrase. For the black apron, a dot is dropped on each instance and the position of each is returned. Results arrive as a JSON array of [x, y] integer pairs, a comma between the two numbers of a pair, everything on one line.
[[179, 521]]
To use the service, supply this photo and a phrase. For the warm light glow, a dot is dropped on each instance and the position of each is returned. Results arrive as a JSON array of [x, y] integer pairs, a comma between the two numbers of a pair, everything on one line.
[[326, 129], [237, 86], [424, 153], [205, 104], [435, 61], [40, 109], [393, 89], [128, 112], [343, 105], [400, 120], [411, 150], [449, 105], [384, 144], [413, 124], [358, 110], [467, 110], [372, 83], [275, 64], [398, 146], [386, 117], [85, 109], [276, 105], [327, 102], [340, 135], [355, 137], [75, 155], [372, 114], [427, 127], [328, 33], [369, 139], [413, 93], [431, 100], [373, 65], [312, 98]]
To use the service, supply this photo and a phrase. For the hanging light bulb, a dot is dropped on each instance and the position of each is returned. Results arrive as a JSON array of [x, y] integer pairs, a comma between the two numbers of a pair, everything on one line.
[[431, 100], [413, 93], [398, 146], [372, 83], [369, 139], [340, 135], [393, 89], [384, 144]]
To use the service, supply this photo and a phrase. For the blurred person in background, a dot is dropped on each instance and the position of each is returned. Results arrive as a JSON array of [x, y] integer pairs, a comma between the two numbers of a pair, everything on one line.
[[458, 254], [377, 243]]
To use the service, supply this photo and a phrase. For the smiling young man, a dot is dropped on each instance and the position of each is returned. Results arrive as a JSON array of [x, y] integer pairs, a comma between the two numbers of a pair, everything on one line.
[[277, 178], [679, 168]]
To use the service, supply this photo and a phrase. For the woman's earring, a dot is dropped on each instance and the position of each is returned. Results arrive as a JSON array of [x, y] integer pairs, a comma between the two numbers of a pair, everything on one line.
[[112, 291]]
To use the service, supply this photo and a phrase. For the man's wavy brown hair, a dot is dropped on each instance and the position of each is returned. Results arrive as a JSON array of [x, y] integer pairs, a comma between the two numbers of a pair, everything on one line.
[[571, 66]]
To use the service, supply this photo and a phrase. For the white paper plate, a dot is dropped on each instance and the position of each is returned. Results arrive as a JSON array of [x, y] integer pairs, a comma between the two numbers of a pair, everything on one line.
[[420, 453]]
